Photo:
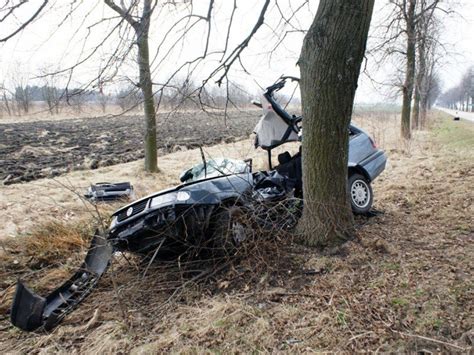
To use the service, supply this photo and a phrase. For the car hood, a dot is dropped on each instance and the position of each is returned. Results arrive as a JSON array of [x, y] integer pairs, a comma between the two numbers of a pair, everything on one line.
[[210, 190]]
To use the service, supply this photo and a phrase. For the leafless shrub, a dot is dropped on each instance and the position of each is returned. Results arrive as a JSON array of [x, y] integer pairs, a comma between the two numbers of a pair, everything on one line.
[[5, 101], [240, 236], [52, 96], [22, 98], [103, 100], [76, 98], [129, 98]]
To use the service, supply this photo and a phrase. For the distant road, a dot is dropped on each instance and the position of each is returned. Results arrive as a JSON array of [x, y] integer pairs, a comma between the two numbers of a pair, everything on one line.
[[468, 116]]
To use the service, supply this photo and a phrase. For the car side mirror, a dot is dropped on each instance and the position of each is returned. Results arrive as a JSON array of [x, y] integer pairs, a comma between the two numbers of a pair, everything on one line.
[[186, 175]]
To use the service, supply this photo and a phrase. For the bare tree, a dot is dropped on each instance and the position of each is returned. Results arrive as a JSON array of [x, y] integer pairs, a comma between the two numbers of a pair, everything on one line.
[[50, 95], [460, 97], [466, 89], [452, 97], [406, 31], [141, 26], [330, 62], [429, 86], [133, 19], [50, 92], [103, 100], [408, 12], [427, 58], [129, 98], [76, 98], [4, 95], [22, 97]]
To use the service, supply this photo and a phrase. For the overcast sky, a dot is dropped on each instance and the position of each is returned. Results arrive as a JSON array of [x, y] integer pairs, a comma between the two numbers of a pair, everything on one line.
[[54, 42]]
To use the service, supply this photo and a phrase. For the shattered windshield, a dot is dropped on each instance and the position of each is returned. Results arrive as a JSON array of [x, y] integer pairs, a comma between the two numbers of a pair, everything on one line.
[[213, 168]]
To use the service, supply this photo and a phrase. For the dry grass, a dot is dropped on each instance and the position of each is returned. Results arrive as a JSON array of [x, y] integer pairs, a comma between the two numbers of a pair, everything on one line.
[[45, 257], [405, 284], [60, 198], [54, 240]]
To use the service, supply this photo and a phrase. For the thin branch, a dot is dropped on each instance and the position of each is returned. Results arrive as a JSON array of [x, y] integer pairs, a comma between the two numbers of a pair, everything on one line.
[[26, 23]]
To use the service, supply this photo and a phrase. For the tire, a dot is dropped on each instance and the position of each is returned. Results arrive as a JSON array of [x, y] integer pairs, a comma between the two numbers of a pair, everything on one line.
[[227, 232], [360, 194]]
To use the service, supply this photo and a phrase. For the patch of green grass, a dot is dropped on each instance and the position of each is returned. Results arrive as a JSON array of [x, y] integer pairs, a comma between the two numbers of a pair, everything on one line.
[[221, 323], [429, 320], [391, 266], [456, 134], [463, 228], [341, 318], [379, 107], [437, 323], [399, 302], [419, 292]]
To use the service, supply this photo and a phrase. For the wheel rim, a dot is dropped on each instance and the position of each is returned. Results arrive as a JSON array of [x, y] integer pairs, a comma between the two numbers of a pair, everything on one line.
[[360, 193], [237, 232]]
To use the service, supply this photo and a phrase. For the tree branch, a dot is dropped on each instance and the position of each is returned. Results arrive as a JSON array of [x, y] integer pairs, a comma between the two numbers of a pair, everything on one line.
[[26, 23], [124, 13]]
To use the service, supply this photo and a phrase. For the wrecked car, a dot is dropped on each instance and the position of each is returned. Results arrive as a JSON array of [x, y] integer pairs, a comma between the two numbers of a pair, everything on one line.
[[201, 212]]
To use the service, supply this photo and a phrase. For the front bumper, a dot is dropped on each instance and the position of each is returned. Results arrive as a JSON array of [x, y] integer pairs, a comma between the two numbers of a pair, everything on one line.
[[31, 311], [173, 227]]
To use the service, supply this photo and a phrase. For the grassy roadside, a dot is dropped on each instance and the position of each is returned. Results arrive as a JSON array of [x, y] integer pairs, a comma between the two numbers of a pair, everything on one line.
[[405, 284], [454, 134]]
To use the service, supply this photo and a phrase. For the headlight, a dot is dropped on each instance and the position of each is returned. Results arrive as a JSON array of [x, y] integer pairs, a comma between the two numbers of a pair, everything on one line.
[[163, 199], [113, 222], [183, 196]]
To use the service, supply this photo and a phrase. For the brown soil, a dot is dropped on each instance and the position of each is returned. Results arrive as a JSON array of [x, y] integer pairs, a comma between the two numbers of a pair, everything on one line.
[[34, 150], [404, 284]]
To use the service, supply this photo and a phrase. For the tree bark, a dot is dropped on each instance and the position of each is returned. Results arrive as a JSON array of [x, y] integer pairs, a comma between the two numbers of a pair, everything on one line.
[[151, 158], [427, 82], [330, 61], [141, 28], [415, 117], [423, 111], [146, 85], [420, 84], [410, 69]]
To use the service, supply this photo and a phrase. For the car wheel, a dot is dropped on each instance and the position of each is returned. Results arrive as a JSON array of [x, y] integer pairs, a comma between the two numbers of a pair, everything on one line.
[[360, 193], [228, 231]]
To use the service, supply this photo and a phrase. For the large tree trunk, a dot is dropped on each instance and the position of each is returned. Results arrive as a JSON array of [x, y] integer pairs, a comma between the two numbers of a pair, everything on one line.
[[330, 61], [141, 28], [423, 84], [424, 111], [151, 158], [420, 85], [410, 69], [415, 117]]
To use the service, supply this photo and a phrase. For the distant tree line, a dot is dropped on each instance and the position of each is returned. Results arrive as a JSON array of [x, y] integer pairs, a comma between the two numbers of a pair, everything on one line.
[[409, 38], [460, 97], [21, 99], [183, 94]]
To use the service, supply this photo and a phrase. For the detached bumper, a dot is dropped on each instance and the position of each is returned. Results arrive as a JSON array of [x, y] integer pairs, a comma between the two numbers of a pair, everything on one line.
[[30, 311]]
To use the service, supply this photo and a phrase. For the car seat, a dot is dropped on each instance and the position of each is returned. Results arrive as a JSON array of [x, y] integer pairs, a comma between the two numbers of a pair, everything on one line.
[[290, 166]]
